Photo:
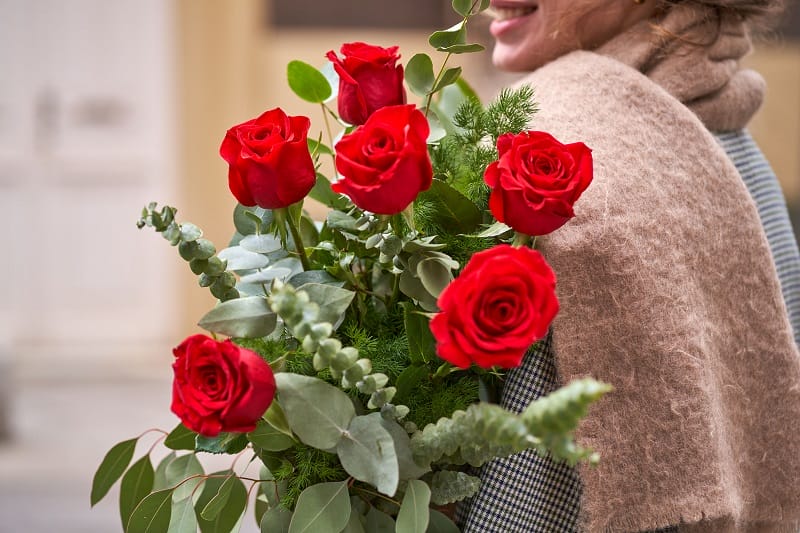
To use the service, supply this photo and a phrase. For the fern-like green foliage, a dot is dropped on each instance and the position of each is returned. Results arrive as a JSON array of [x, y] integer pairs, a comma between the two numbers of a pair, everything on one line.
[[485, 431], [307, 466], [462, 158]]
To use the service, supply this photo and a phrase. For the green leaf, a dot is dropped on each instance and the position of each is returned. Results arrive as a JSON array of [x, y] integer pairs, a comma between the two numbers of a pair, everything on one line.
[[402, 446], [250, 220], [229, 443], [183, 519], [454, 211], [268, 438], [229, 515], [136, 484], [463, 48], [260, 244], [318, 412], [449, 77], [354, 525], [318, 147], [249, 318], [453, 35], [333, 301], [153, 513], [182, 468], [342, 221], [367, 453], [307, 82], [276, 520], [435, 275], [409, 379], [413, 516], [111, 468], [314, 276], [160, 475], [421, 344], [419, 74], [323, 193], [220, 499], [322, 508], [378, 522], [462, 7], [180, 438], [495, 230], [439, 523], [240, 259]]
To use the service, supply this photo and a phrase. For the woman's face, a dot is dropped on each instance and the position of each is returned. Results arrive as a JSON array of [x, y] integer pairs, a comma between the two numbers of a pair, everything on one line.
[[530, 33]]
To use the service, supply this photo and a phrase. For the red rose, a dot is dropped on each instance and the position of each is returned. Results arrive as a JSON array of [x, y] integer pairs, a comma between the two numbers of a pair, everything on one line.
[[502, 302], [368, 80], [536, 181], [384, 164], [219, 386], [269, 162]]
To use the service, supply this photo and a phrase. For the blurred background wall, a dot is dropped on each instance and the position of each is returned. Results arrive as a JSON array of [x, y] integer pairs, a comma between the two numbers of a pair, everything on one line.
[[107, 105]]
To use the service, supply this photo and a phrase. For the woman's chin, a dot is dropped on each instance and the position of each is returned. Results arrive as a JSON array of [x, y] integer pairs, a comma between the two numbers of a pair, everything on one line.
[[510, 59]]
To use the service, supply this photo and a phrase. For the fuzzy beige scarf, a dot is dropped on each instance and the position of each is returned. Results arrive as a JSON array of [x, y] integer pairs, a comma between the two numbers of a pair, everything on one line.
[[668, 289]]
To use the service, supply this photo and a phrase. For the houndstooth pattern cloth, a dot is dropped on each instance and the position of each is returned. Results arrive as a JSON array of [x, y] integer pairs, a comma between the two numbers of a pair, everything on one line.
[[526, 493]]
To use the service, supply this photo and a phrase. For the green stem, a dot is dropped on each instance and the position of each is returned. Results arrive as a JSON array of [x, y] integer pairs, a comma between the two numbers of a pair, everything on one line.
[[325, 112], [298, 241], [520, 240], [435, 81]]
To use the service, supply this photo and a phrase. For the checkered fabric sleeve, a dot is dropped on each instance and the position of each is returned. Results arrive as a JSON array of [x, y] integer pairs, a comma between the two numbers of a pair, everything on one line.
[[525, 492]]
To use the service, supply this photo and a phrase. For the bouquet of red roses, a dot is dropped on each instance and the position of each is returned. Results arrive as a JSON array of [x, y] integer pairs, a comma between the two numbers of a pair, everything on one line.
[[360, 352]]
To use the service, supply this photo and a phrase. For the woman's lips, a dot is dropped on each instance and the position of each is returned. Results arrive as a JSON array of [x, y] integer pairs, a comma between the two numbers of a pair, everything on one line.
[[508, 16]]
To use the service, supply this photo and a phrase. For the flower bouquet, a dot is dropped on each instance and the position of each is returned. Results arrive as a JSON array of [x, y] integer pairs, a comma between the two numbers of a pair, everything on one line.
[[361, 353]]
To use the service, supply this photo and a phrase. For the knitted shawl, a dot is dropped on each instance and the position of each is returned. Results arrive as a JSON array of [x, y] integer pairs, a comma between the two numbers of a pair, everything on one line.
[[669, 293]]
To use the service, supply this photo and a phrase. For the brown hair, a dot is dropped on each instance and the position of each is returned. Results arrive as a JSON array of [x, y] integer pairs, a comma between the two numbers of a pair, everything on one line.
[[759, 14]]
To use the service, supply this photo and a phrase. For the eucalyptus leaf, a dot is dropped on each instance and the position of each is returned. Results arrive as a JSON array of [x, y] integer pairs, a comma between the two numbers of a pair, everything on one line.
[[160, 475], [314, 276], [183, 519], [268, 438], [333, 301], [435, 275], [240, 259], [453, 35], [220, 499], [342, 221], [111, 468], [260, 506], [307, 82], [437, 130], [180, 438], [413, 516], [367, 453], [413, 288], [231, 513], [276, 418], [439, 523], [276, 520], [183, 468], [250, 220], [249, 318], [266, 276], [378, 522], [354, 525], [448, 77], [318, 412], [322, 508], [190, 232], [261, 244], [153, 513], [419, 74], [495, 230], [135, 485], [229, 443], [402, 446]]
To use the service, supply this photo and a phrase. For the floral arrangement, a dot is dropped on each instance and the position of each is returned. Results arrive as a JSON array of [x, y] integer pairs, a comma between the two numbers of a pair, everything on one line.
[[361, 354]]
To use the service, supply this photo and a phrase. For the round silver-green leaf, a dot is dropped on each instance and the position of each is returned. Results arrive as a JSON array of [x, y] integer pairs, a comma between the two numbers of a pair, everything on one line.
[[322, 508], [367, 453]]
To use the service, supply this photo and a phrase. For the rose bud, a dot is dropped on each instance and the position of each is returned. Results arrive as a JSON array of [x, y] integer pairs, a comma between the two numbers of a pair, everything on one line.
[[219, 386], [384, 164], [369, 78], [502, 302], [269, 164], [536, 181]]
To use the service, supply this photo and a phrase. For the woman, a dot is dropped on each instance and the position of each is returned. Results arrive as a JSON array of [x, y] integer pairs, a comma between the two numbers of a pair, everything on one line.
[[679, 278]]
